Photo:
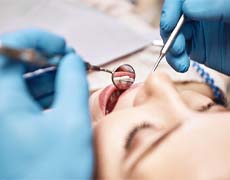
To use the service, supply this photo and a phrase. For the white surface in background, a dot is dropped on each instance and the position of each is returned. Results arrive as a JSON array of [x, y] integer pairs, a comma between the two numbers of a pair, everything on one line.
[[97, 37]]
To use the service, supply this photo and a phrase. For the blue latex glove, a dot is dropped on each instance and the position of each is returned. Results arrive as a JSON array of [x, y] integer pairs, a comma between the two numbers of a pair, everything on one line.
[[55, 144], [205, 36]]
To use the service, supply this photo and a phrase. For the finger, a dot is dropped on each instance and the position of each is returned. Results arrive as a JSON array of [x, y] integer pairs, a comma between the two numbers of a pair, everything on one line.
[[206, 10], [171, 13], [187, 30], [12, 83], [179, 63], [178, 46], [13, 91], [71, 92], [45, 42], [71, 101]]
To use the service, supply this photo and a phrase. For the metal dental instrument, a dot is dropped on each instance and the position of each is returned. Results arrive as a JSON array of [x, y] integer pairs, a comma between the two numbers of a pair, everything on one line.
[[169, 42], [158, 43], [122, 77], [28, 56]]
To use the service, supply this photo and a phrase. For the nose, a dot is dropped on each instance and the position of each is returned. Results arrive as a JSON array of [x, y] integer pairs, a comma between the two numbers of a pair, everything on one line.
[[158, 87]]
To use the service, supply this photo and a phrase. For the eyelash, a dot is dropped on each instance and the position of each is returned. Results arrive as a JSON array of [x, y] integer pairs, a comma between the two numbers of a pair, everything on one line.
[[207, 107], [144, 125], [133, 132]]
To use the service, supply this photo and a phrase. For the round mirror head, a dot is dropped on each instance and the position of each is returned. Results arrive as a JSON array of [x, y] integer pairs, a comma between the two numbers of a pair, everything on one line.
[[123, 76]]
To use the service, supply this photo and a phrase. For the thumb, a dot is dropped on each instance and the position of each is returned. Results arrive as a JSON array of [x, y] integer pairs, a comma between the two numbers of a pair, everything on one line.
[[71, 92], [207, 10]]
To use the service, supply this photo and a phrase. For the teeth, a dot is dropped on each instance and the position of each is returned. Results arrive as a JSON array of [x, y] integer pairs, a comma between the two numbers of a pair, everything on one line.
[[117, 93], [123, 79], [114, 96], [112, 100]]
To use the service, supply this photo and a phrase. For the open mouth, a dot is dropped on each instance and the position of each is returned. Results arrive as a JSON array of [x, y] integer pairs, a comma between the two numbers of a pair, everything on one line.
[[108, 98]]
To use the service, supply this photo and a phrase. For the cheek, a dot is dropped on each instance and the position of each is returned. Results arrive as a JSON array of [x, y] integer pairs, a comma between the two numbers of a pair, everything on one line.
[[108, 147]]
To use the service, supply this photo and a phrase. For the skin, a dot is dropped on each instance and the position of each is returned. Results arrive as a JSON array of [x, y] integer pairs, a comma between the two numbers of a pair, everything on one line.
[[177, 137]]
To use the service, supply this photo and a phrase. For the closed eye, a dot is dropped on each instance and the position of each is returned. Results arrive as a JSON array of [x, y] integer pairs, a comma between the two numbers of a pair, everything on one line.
[[206, 107], [133, 132]]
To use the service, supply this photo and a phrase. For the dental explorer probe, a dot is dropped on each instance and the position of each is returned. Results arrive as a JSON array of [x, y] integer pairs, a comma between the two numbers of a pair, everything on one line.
[[169, 42]]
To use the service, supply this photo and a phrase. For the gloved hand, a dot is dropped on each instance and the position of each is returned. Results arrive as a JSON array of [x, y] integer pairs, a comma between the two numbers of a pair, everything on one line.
[[55, 144], [205, 36]]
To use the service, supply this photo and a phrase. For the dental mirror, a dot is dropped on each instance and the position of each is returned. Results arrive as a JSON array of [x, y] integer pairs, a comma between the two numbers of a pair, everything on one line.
[[123, 76]]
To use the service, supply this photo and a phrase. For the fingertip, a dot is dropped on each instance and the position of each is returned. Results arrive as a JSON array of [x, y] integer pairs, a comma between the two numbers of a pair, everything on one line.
[[179, 63], [72, 63]]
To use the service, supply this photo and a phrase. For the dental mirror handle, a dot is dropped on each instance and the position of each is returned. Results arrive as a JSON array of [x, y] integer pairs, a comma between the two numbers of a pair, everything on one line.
[[90, 67], [169, 42], [35, 58]]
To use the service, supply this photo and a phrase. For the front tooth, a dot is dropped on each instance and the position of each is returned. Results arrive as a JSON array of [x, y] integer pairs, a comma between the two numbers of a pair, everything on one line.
[[117, 93], [112, 97]]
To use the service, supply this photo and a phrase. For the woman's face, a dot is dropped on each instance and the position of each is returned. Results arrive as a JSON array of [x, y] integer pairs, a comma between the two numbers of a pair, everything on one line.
[[160, 130]]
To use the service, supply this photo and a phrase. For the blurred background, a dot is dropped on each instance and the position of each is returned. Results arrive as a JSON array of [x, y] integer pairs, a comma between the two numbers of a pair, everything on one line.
[[149, 10]]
